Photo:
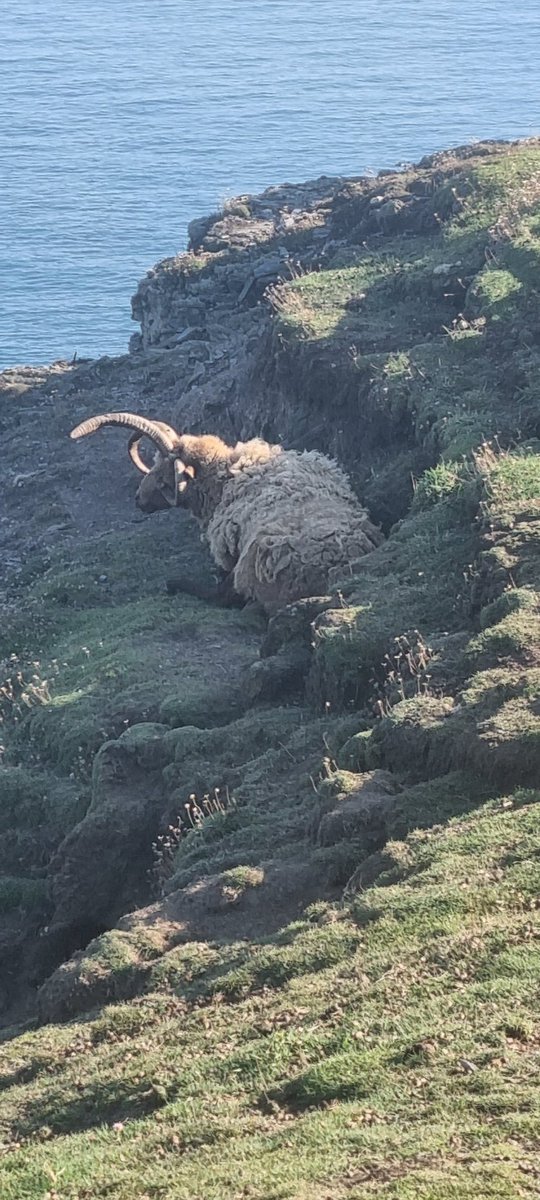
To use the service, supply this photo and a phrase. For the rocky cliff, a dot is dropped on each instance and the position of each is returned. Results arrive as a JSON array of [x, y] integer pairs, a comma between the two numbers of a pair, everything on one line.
[[322, 883]]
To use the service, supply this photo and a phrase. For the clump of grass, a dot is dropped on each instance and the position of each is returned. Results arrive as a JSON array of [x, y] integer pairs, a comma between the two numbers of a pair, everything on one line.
[[514, 478], [404, 665], [439, 483], [184, 970]]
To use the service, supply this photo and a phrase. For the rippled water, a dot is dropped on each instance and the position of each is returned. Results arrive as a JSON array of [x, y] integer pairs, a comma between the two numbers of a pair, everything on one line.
[[119, 122]]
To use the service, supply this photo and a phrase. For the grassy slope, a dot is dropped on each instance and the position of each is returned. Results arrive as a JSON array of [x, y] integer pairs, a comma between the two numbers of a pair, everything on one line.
[[386, 1049], [430, 335], [387, 1045], [90, 650]]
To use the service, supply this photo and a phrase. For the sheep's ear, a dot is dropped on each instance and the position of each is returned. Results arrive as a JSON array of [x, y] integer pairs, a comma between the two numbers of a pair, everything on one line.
[[181, 469]]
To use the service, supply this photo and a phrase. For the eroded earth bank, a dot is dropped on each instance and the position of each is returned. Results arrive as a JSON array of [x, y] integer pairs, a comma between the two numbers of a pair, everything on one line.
[[266, 931]]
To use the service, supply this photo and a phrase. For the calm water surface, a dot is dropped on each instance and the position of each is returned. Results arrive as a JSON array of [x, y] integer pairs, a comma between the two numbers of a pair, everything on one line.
[[119, 122]]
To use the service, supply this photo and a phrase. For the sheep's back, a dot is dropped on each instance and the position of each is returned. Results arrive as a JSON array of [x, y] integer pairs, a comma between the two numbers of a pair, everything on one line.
[[287, 524], [309, 478]]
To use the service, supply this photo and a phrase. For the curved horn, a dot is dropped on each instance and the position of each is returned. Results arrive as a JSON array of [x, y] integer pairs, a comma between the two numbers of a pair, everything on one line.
[[168, 431], [165, 438], [133, 451]]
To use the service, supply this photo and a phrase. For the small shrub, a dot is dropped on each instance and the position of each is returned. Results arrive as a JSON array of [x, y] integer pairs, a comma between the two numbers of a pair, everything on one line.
[[197, 813]]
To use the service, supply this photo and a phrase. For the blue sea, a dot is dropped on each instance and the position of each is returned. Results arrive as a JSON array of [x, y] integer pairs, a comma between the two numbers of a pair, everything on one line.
[[121, 120]]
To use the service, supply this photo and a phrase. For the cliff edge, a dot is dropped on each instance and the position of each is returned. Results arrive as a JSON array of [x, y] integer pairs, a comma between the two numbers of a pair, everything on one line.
[[264, 933]]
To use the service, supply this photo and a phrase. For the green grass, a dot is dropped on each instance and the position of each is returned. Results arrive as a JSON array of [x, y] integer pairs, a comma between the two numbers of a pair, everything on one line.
[[387, 1045], [94, 650], [434, 361]]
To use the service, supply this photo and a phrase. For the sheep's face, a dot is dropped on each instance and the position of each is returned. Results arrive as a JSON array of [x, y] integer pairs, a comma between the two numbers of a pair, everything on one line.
[[165, 486], [188, 470], [190, 476]]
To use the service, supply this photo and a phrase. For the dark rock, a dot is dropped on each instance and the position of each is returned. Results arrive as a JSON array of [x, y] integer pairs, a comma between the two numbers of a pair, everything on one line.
[[292, 626], [192, 334], [198, 228], [278, 676]]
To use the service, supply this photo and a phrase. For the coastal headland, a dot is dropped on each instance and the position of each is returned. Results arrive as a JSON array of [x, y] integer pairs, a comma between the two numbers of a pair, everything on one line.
[[267, 935]]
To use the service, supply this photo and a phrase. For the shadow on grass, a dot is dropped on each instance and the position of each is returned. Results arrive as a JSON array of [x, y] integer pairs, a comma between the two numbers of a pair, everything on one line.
[[98, 1104]]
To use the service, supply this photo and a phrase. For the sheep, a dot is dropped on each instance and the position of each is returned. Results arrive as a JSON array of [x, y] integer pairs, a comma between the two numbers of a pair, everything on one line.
[[276, 521]]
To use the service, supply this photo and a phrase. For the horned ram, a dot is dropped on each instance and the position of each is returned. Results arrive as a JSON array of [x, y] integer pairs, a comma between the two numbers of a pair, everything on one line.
[[276, 521]]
